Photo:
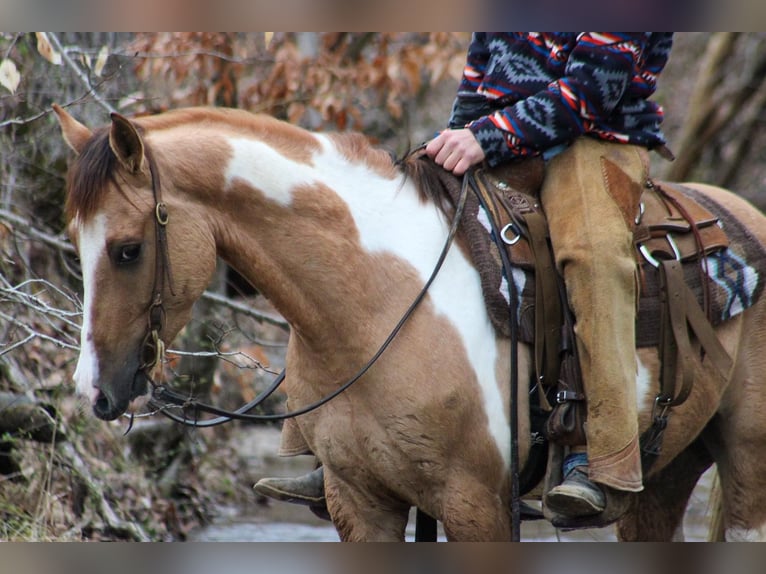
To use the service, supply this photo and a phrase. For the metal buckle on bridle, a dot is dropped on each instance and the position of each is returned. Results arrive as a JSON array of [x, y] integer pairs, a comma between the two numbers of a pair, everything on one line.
[[161, 213], [154, 346], [156, 312], [153, 351]]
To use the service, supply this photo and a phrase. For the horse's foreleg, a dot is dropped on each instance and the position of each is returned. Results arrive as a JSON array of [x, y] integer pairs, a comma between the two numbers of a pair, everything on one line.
[[656, 514], [360, 516], [473, 513]]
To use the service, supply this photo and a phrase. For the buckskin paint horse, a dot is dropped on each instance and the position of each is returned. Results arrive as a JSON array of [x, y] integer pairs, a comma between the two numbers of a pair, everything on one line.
[[336, 235]]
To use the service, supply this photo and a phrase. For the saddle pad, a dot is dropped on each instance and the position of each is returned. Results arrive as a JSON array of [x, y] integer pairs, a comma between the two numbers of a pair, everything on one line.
[[736, 275]]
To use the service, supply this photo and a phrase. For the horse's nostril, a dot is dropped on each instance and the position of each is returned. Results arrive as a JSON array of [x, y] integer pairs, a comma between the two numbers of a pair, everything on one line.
[[101, 407]]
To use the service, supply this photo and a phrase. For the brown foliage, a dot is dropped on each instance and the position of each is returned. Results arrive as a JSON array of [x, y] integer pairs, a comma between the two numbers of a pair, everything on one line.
[[322, 80]]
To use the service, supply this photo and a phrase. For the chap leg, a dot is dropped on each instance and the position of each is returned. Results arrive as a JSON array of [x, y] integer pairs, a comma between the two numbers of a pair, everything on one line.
[[587, 206]]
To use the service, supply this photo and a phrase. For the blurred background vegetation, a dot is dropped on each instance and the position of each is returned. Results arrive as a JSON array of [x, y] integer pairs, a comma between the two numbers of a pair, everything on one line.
[[66, 476]]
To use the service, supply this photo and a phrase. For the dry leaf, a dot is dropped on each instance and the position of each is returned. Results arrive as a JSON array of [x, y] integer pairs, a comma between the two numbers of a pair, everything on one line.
[[9, 76], [103, 56], [46, 50], [267, 36], [5, 234]]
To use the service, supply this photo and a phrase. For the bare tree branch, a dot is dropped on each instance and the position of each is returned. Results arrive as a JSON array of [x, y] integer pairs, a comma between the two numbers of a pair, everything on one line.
[[23, 121], [210, 53], [36, 334], [246, 310], [57, 241], [703, 104], [11, 44], [80, 74]]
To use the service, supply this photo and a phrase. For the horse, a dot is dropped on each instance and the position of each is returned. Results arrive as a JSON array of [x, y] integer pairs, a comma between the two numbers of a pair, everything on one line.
[[341, 238]]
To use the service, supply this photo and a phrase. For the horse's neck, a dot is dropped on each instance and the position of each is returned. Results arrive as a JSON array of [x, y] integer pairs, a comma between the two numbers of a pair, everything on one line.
[[303, 227]]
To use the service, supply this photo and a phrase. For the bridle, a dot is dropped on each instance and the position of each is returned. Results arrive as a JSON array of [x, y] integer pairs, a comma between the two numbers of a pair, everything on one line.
[[153, 347], [152, 352]]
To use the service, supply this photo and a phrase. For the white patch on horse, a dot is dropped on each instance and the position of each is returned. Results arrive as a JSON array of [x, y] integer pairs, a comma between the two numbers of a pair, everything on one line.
[[91, 241], [746, 534], [265, 169], [391, 218], [644, 394]]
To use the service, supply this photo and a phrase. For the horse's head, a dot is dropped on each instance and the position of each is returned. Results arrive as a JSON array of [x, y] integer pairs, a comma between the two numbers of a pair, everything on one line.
[[132, 284]]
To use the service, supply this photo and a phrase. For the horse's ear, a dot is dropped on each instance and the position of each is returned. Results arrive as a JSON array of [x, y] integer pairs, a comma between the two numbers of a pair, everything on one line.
[[75, 134], [126, 143]]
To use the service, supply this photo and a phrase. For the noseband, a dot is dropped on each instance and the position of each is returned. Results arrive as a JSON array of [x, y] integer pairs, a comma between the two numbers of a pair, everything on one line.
[[153, 348]]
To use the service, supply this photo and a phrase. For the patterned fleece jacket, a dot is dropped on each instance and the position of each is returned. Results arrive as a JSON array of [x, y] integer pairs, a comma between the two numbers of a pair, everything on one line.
[[527, 93]]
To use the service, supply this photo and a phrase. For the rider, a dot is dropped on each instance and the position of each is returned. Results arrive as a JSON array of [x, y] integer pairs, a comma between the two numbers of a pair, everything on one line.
[[579, 100]]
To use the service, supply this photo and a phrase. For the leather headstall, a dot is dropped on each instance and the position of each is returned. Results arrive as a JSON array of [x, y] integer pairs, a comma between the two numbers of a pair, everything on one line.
[[153, 348]]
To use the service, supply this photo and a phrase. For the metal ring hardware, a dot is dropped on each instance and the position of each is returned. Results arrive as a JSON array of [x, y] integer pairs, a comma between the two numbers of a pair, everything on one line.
[[161, 213], [512, 227]]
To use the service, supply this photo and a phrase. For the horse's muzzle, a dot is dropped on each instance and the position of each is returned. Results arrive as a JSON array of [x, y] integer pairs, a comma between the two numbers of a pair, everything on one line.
[[110, 405]]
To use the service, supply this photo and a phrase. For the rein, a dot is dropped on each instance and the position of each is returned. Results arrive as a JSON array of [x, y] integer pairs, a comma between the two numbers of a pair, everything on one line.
[[164, 398], [498, 237]]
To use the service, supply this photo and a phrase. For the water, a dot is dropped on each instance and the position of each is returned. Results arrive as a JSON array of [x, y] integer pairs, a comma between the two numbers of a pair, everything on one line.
[[282, 522], [264, 529], [252, 530]]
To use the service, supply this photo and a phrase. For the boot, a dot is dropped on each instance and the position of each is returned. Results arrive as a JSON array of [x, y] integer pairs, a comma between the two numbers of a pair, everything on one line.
[[307, 489], [576, 496]]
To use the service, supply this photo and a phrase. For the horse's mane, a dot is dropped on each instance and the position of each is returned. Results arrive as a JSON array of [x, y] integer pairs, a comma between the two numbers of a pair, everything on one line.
[[431, 180]]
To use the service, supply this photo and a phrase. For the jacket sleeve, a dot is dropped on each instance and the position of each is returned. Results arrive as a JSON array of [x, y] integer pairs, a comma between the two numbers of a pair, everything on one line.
[[468, 104], [597, 74]]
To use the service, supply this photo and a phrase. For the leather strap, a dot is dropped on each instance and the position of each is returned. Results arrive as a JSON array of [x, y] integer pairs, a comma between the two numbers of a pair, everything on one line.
[[674, 346], [486, 199], [682, 312], [528, 220], [548, 313], [153, 348], [694, 228]]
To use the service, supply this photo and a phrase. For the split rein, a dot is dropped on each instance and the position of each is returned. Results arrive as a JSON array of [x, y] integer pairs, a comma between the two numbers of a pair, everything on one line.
[[163, 398]]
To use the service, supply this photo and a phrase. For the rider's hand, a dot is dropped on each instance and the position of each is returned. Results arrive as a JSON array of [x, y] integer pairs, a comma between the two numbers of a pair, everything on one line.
[[455, 150]]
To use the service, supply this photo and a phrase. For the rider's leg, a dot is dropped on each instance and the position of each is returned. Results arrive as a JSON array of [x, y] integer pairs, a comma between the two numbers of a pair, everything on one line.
[[590, 195]]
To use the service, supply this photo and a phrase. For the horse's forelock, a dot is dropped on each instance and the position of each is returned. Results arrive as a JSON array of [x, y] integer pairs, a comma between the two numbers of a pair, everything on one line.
[[90, 173]]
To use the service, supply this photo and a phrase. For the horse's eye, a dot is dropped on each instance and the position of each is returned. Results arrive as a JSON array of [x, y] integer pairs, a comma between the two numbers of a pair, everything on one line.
[[127, 253]]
